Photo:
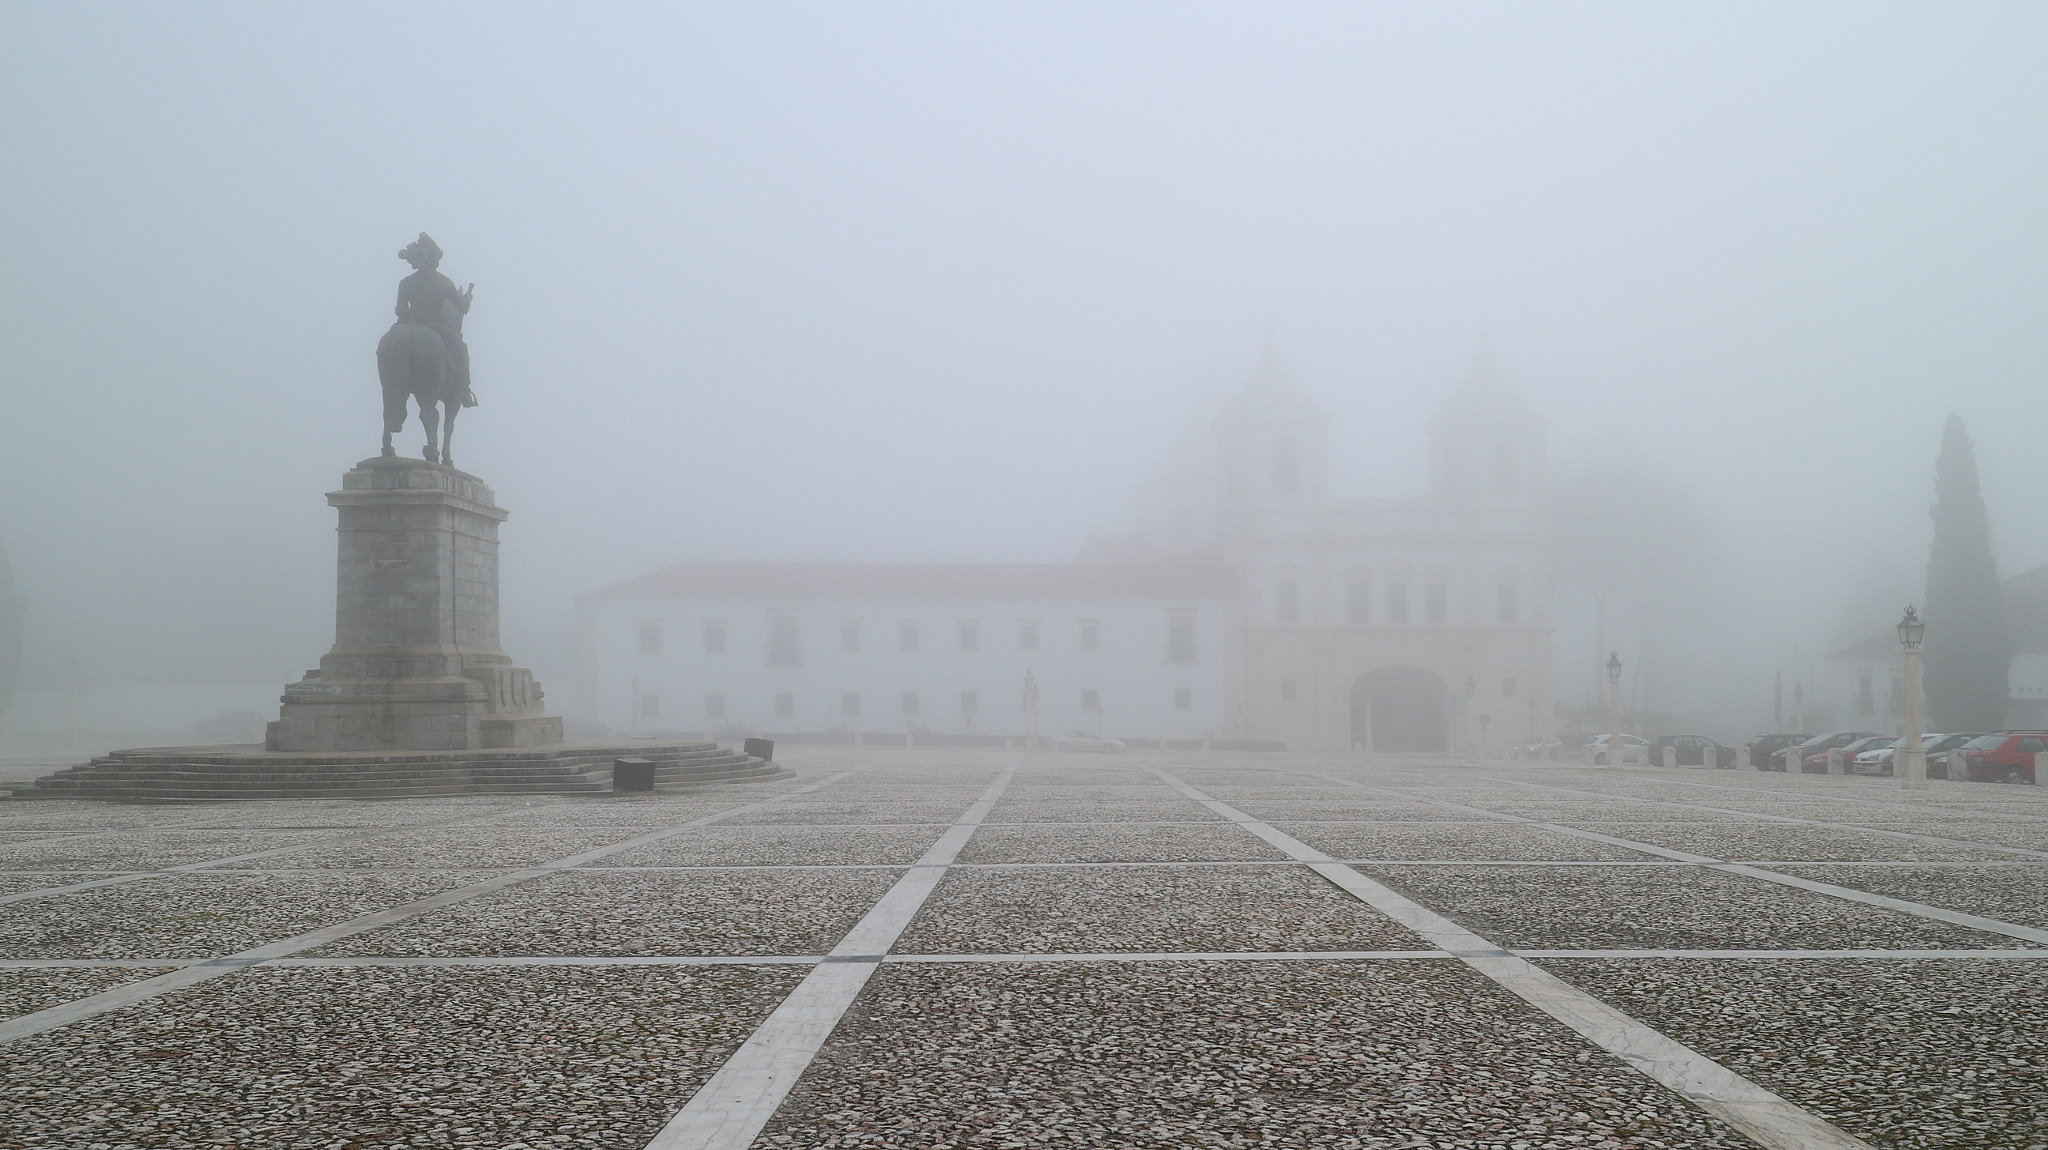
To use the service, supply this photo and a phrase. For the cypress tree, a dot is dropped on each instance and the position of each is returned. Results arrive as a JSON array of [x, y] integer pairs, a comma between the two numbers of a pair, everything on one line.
[[1966, 650]]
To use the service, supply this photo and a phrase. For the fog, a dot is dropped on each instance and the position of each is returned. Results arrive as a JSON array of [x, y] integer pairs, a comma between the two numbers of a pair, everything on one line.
[[946, 282]]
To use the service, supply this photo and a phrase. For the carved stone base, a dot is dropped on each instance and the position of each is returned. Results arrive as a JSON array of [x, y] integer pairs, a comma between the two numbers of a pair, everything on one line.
[[416, 663]]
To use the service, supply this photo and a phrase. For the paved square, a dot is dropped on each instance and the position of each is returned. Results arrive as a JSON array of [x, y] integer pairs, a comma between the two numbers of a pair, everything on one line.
[[926, 947]]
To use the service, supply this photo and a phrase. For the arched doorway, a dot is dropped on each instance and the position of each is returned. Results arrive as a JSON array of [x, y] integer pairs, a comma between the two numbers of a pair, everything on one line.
[[1403, 707]]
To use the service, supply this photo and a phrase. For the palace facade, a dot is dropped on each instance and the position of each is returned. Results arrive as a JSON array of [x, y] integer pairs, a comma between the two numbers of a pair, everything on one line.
[[1252, 603]]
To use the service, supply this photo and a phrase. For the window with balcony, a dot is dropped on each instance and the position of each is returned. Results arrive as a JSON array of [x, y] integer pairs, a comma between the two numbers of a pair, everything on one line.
[[1180, 637]]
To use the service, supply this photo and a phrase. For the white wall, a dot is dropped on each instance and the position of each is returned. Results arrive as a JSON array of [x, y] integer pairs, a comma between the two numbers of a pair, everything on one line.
[[1135, 683]]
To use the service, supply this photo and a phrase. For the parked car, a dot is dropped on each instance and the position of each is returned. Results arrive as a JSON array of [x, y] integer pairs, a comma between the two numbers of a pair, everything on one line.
[[1882, 760], [1821, 744], [1692, 751], [1863, 756], [1083, 741], [1817, 763], [2004, 756], [1767, 752], [1632, 748], [1549, 745], [1949, 751]]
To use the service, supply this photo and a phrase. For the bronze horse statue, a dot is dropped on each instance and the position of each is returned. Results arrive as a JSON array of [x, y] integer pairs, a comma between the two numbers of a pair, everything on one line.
[[423, 356]]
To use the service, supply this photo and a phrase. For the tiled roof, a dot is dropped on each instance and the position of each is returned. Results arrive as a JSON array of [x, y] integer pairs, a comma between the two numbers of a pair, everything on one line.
[[931, 581]]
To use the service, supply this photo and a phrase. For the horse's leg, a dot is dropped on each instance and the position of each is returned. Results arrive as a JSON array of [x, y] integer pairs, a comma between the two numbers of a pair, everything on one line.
[[429, 416], [449, 406], [391, 374]]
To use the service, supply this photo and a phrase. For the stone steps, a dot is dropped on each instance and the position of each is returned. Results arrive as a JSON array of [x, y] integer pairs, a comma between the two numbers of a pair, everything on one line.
[[198, 774]]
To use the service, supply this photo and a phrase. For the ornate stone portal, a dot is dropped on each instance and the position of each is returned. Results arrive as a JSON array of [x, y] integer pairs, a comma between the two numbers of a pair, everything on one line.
[[416, 663]]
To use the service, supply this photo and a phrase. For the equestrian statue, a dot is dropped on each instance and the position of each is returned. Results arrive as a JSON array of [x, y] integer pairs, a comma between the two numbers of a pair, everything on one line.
[[423, 355]]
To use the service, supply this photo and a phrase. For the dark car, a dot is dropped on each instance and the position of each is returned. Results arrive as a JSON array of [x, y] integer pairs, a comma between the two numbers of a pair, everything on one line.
[[1821, 745], [2004, 756], [1691, 751], [1946, 749], [1767, 752]]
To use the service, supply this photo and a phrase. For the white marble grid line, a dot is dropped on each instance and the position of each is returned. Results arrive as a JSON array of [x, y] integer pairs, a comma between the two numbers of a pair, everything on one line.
[[1767, 1118], [90, 1006], [1038, 956], [1793, 819], [188, 868], [1847, 894], [732, 1107]]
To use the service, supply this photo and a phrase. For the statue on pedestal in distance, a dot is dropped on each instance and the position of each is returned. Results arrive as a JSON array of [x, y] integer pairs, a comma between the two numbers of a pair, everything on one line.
[[423, 355]]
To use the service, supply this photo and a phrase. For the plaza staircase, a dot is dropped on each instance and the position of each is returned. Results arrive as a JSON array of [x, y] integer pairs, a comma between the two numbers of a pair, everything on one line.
[[199, 774]]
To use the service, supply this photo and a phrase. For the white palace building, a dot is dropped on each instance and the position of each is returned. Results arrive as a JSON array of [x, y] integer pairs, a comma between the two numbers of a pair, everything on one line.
[[1252, 605]]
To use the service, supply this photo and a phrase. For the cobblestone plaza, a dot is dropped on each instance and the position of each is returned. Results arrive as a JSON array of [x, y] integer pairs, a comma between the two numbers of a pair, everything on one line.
[[930, 948]]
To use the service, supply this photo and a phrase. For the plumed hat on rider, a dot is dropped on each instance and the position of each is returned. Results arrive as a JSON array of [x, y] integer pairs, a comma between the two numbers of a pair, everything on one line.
[[422, 252]]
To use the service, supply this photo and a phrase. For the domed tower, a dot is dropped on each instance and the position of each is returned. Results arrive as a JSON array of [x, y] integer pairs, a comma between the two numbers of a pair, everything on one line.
[[1487, 447], [1273, 452]]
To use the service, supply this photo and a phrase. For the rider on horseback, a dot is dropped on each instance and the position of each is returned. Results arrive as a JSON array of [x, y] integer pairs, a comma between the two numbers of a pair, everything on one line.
[[430, 299]]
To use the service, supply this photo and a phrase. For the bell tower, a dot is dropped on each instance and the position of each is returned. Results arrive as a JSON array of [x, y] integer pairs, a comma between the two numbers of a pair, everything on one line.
[[1487, 446], [1272, 451]]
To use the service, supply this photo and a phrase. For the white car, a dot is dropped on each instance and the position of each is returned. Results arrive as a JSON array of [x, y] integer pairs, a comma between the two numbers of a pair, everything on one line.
[[1879, 761], [1634, 749], [1083, 741]]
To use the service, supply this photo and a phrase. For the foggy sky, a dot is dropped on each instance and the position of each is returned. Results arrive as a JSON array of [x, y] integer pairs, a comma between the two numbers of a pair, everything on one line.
[[943, 282]]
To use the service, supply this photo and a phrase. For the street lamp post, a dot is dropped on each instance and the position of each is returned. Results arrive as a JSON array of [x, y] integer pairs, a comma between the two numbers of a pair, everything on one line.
[[1911, 757], [1471, 692], [1617, 755]]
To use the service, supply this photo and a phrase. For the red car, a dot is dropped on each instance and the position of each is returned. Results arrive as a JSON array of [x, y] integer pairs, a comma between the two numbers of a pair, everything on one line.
[[1813, 753], [2002, 756]]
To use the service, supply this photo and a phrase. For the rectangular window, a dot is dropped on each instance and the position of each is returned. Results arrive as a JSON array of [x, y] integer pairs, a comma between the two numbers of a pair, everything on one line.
[[1091, 634], [1091, 699], [1397, 602], [1509, 599], [910, 702], [1437, 607], [849, 703], [1287, 688], [650, 706], [970, 635], [714, 706], [1027, 634], [907, 635], [650, 638], [1507, 688], [785, 705], [1287, 603], [1180, 637], [849, 635], [714, 637], [1183, 698], [970, 702], [785, 641], [1358, 603]]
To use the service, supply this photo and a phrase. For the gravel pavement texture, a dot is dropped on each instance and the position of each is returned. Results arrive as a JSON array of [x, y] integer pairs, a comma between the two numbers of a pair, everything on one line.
[[1479, 842], [2017, 894], [1911, 1055], [299, 1059], [600, 913], [1087, 910], [718, 845], [204, 915], [1173, 1055], [853, 814], [1661, 907], [27, 990], [148, 850], [1752, 841], [1136, 843]]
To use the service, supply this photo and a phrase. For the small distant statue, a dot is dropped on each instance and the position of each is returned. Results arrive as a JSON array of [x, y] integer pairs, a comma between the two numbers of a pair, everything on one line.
[[423, 355]]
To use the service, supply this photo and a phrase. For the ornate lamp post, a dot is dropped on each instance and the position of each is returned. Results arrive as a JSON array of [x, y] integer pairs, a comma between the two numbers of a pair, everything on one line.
[[1911, 757], [1617, 755]]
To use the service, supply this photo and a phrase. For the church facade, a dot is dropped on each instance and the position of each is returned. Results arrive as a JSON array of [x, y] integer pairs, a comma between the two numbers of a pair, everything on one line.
[[1252, 604]]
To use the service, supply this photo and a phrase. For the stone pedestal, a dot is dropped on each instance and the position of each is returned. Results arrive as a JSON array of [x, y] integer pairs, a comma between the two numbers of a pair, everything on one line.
[[416, 663]]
